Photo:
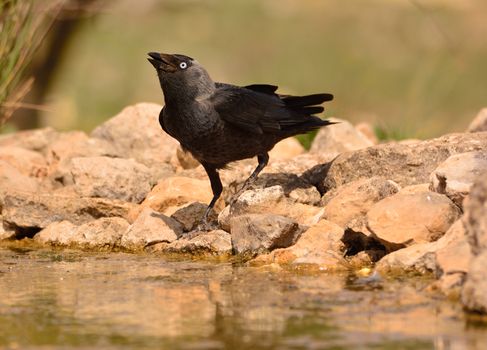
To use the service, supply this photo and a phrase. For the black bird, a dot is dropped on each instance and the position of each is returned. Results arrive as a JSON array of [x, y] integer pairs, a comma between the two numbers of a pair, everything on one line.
[[220, 123]]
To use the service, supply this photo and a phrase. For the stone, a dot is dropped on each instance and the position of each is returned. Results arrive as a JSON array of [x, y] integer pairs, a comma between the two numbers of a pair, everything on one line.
[[479, 123], [27, 162], [269, 200], [256, 233], [320, 246], [354, 199], [213, 243], [412, 218], [405, 164], [100, 233], [339, 138], [149, 228], [23, 210], [5, 234], [455, 175], [11, 179], [286, 149], [189, 215], [411, 189], [474, 292], [135, 132], [448, 255], [476, 216], [185, 159], [368, 131], [105, 177], [34, 140]]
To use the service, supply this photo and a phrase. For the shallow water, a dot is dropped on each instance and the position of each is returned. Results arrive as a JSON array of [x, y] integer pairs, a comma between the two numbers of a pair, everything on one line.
[[55, 299]]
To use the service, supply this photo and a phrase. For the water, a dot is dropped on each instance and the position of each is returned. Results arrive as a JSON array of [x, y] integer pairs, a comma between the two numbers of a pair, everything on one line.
[[54, 299]]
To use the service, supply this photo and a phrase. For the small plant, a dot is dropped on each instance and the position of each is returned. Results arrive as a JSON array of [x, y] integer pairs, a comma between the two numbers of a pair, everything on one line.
[[22, 29]]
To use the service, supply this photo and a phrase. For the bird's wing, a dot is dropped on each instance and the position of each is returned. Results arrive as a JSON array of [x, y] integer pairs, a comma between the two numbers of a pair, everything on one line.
[[258, 109]]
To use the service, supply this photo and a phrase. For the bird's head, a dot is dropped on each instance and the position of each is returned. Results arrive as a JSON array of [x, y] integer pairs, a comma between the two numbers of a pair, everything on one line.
[[181, 76]]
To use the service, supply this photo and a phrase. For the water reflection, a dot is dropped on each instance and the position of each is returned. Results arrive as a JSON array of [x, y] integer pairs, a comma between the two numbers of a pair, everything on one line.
[[119, 300]]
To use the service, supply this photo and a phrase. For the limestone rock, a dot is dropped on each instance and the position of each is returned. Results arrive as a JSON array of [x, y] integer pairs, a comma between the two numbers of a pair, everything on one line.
[[5, 234], [105, 177], [286, 149], [149, 228], [411, 189], [34, 140], [455, 176], [479, 123], [269, 200], [147, 143], [216, 242], [189, 215], [11, 179], [474, 292], [255, 233], [406, 164], [27, 162], [320, 246], [407, 218], [27, 210], [476, 216], [100, 233], [356, 198], [339, 138], [368, 131]]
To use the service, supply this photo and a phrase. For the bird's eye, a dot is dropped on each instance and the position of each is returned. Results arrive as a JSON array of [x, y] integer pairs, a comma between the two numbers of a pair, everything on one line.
[[183, 65]]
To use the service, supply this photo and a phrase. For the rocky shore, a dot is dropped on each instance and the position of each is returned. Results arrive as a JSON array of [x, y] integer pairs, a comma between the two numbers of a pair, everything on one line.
[[349, 203]]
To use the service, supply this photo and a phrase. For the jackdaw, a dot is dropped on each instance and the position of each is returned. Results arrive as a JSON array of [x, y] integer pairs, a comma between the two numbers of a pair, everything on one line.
[[220, 123]]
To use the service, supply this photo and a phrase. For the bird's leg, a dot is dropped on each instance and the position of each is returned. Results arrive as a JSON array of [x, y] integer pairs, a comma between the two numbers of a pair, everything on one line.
[[217, 188], [263, 159]]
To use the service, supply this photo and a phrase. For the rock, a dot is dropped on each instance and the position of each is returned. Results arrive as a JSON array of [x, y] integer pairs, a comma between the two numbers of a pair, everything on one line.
[[189, 216], [5, 234], [339, 138], [406, 164], [447, 256], [479, 123], [113, 178], [455, 175], [23, 210], [185, 159], [176, 191], [149, 228], [34, 140], [412, 218], [216, 242], [256, 233], [28, 163], [305, 195], [474, 292], [100, 233], [11, 179], [368, 131], [286, 149], [320, 246], [411, 189], [270, 200], [356, 198], [147, 143]]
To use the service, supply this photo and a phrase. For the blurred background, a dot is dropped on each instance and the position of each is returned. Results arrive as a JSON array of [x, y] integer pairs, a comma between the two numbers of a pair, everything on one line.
[[411, 68]]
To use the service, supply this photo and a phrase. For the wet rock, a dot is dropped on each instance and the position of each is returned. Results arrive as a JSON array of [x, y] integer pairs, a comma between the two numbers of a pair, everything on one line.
[[216, 242], [339, 138], [189, 216], [479, 123], [27, 162], [105, 177], [455, 175], [406, 164], [23, 210], [256, 233], [147, 143], [356, 198], [149, 228], [100, 233], [11, 179], [412, 218], [474, 293], [270, 200], [319, 246], [286, 149], [449, 255], [368, 131], [34, 140]]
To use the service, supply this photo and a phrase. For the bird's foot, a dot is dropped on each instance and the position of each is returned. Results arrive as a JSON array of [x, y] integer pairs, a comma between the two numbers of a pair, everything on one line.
[[205, 226]]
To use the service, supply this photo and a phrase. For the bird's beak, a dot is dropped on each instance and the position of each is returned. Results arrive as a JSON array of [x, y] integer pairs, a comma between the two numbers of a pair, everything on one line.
[[163, 61]]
